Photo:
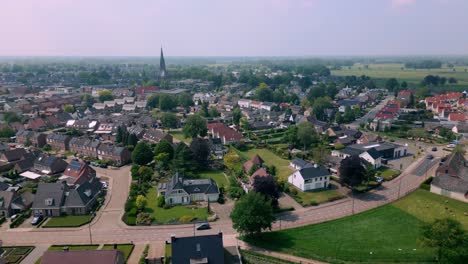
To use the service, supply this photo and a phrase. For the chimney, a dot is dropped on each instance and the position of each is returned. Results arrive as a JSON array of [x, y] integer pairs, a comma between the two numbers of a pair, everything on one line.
[[173, 238], [115, 246], [315, 165], [220, 234]]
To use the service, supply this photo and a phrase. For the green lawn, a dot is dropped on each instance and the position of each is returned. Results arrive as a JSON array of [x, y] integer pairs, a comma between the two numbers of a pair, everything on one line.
[[428, 206], [73, 247], [390, 70], [217, 176], [177, 134], [270, 158], [125, 248], [317, 197], [387, 174], [173, 214], [385, 234], [68, 221], [14, 255]]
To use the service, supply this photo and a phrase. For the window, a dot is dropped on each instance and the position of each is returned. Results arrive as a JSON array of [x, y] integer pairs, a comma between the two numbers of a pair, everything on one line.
[[446, 171], [198, 247]]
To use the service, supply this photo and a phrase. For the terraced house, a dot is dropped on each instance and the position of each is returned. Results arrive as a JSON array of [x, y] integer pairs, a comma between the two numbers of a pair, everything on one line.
[[34, 139], [58, 141], [117, 155], [84, 146]]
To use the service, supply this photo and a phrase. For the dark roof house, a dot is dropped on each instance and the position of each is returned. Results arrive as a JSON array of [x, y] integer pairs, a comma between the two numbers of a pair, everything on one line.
[[198, 249]]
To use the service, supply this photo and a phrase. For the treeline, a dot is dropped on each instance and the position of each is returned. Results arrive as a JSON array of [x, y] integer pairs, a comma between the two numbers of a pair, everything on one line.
[[436, 80], [424, 64]]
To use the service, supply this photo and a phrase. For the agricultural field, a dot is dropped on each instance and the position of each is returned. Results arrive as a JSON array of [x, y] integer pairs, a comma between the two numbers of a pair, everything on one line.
[[414, 76]]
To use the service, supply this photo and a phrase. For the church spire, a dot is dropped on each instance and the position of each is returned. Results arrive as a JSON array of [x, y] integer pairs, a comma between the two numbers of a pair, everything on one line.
[[162, 65]]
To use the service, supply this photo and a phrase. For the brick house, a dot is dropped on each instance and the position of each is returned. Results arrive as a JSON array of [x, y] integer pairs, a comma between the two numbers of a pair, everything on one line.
[[115, 154], [84, 146], [58, 141], [37, 140]]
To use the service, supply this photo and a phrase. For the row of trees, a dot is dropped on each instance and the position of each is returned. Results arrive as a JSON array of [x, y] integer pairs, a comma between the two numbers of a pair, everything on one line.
[[167, 102]]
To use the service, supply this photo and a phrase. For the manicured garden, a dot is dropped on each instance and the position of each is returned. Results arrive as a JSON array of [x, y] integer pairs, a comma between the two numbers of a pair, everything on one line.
[[14, 255], [173, 214], [217, 176], [68, 221], [386, 234], [387, 174], [271, 159]]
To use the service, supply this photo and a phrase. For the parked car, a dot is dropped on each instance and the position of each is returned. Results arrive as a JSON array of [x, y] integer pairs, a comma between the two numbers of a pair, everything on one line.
[[451, 145], [13, 217], [103, 166], [94, 164], [429, 157], [434, 148], [36, 220], [203, 226], [379, 179], [104, 185]]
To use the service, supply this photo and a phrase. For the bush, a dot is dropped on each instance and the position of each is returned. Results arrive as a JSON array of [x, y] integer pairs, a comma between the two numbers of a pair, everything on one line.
[[144, 219], [144, 255], [426, 185], [292, 190], [2, 219], [131, 220], [167, 206], [161, 201], [235, 192], [313, 203], [132, 212], [129, 204], [186, 218], [221, 199]]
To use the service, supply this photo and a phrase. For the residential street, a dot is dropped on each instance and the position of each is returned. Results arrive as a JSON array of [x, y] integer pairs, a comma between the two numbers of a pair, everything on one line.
[[371, 114]]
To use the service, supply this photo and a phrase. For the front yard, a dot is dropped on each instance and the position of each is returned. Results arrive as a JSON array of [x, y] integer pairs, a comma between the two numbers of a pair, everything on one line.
[[126, 249], [173, 214], [387, 174], [68, 221], [14, 255], [271, 159], [315, 197]]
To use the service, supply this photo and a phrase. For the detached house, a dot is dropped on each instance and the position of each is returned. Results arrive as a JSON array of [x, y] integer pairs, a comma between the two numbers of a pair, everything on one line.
[[12, 155], [12, 203], [77, 173], [184, 191], [226, 134], [310, 178], [452, 177], [58, 141]]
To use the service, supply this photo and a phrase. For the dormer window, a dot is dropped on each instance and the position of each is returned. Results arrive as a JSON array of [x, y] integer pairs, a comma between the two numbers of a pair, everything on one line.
[[49, 201]]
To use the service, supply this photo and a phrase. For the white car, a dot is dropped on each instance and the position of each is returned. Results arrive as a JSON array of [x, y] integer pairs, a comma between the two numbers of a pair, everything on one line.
[[451, 145]]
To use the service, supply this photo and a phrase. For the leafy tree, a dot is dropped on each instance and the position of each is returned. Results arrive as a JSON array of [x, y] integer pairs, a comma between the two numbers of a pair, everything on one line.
[[87, 99], [449, 239], [306, 134], [319, 105], [352, 171], [320, 153], [145, 173], [6, 132], [167, 102], [185, 100], [231, 159], [263, 93], [339, 119], [142, 154], [153, 101], [169, 120], [69, 108], [391, 84], [214, 112], [164, 146], [236, 115], [195, 126], [290, 135], [183, 160], [252, 214], [105, 95], [140, 202], [132, 140], [404, 84], [267, 186], [161, 201], [201, 150], [244, 124], [11, 117]]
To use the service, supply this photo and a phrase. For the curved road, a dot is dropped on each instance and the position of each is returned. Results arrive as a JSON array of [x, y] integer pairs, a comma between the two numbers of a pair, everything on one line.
[[107, 227]]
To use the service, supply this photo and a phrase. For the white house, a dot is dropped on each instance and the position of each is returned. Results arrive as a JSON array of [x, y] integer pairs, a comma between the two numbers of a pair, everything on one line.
[[311, 178], [185, 191], [373, 157], [299, 164], [244, 103]]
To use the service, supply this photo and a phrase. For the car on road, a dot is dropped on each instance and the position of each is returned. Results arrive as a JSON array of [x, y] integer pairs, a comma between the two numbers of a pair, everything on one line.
[[104, 166], [379, 179], [203, 226], [451, 145], [105, 185], [36, 220], [429, 157], [434, 148]]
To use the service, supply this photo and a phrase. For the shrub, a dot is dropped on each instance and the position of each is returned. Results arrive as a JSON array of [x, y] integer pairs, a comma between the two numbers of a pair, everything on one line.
[[161, 201], [293, 190], [186, 218], [129, 204], [221, 199], [167, 206], [313, 203], [132, 212], [144, 219], [144, 255], [335, 197], [131, 220], [339, 146], [235, 192]]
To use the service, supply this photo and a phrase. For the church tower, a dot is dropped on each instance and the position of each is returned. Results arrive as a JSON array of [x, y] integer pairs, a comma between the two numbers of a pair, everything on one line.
[[162, 66]]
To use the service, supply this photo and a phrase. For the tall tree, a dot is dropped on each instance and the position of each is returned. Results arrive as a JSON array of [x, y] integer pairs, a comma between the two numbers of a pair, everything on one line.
[[132, 140], [167, 102], [263, 93], [142, 154], [236, 116], [183, 160], [352, 171], [153, 101], [169, 120], [306, 134], [87, 99], [195, 126], [267, 186], [200, 148], [252, 214], [105, 95], [319, 105], [391, 84]]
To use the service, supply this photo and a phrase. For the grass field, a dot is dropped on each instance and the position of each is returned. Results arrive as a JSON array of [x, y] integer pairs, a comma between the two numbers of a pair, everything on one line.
[[317, 197], [177, 134], [388, 70], [126, 249], [68, 221], [173, 214], [270, 158], [218, 176], [385, 234]]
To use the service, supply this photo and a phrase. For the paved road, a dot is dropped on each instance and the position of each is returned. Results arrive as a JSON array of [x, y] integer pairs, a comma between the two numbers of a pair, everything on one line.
[[371, 114]]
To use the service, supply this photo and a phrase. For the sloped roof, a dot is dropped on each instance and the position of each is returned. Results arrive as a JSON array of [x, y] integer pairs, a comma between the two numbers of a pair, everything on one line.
[[314, 172]]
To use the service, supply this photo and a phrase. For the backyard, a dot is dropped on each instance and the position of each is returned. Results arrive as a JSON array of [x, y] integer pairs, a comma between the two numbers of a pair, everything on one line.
[[68, 221], [174, 213], [14, 255], [271, 159], [217, 176], [385, 234], [177, 134]]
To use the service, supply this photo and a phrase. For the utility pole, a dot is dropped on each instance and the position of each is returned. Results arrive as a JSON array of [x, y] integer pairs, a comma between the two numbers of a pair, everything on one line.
[[90, 234], [352, 197], [399, 186]]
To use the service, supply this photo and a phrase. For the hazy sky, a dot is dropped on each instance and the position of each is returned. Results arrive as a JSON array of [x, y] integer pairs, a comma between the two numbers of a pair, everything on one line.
[[233, 28]]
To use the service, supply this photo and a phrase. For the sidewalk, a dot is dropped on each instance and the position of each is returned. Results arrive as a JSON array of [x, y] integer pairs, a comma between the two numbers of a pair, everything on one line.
[[282, 256], [35, 254], [136, 253]]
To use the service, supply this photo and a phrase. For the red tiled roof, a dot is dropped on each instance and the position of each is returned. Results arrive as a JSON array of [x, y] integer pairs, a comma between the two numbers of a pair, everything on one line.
[[258, 173], [404, 93], [146, 89], [457, 117]]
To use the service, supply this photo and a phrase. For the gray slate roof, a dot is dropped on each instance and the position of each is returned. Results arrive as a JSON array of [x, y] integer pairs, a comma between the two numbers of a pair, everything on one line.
[[84, 193], [314, 172], [208, 248], [54, 191]]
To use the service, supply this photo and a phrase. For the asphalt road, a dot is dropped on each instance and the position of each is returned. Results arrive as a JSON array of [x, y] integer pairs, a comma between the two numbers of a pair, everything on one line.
[[371, 114]]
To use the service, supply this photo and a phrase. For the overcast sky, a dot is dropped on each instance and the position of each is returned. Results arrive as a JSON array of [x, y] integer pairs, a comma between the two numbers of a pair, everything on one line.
[[233, 28]]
